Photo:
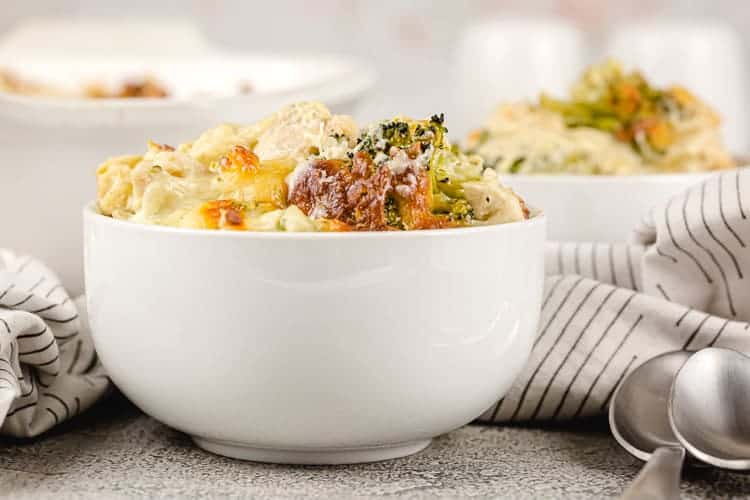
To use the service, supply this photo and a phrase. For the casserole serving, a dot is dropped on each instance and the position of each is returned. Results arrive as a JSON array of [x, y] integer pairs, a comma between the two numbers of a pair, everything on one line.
[[305, 169]]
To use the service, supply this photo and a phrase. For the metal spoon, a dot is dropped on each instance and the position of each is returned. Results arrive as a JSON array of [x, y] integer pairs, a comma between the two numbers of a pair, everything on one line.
[[639, 421], [709, 409]]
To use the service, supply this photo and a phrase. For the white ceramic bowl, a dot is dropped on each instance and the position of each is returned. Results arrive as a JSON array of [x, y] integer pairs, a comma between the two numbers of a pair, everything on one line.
[[598, 208], [313, 347], [50, 148]]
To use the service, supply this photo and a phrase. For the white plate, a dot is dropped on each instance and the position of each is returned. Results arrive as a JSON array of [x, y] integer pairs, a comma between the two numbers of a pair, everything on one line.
[[204, 90]]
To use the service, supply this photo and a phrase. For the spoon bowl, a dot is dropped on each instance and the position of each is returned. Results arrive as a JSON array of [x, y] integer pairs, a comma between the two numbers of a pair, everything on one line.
[[709, 408], [638, 414]]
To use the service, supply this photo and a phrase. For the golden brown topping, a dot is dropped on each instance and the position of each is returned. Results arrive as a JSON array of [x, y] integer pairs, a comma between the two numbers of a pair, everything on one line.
[[625, 99], [360, 195], [366, 194], [160, 147], [148, 88], [223, 214], [233, 217], [524, 208], [240, 160], [354, 194], [145, 88], [96, 91], [242, 168]]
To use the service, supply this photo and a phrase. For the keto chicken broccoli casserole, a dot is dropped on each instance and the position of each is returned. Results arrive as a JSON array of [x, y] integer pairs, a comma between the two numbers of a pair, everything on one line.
[[304, 169], [614, 123]]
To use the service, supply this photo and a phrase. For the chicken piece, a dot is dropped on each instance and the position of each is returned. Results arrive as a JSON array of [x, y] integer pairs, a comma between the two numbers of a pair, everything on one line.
[[303, 129], [115, 185], [494, 202]]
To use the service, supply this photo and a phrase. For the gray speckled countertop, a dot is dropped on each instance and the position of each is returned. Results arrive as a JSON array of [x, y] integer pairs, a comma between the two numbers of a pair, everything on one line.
[[114, 451]]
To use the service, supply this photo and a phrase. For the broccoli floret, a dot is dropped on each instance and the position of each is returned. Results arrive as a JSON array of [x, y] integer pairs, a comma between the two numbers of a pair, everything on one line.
[[446, 166], [461, 210], [451, 169], [515, 167], [397, 134], [402, 133]]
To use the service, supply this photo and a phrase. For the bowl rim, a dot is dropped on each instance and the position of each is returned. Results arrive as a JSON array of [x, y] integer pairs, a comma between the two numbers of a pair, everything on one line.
[[92, 216], [624, 179], [743, 163]]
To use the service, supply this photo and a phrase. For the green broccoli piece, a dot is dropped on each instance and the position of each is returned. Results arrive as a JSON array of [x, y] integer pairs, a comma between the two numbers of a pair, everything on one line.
[[461, 210], [515, 167], [451, 169]]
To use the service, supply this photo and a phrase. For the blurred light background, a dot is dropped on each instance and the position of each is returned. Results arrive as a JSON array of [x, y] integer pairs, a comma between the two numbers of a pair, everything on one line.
[[428, 61]]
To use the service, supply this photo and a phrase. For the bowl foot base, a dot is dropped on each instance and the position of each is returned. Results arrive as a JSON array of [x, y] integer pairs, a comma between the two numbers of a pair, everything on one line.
[[315, 456]]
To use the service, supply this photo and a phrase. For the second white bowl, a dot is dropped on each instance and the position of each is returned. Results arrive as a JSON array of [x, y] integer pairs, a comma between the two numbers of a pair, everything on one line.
[[598, 208]]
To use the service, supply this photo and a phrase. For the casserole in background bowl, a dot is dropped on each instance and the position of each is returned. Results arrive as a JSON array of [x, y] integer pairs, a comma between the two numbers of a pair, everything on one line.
[[313, 347], [49, 146], [599, 159]]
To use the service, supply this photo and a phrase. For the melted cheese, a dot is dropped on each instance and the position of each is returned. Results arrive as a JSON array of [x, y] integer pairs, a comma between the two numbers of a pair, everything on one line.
[[239, 177]]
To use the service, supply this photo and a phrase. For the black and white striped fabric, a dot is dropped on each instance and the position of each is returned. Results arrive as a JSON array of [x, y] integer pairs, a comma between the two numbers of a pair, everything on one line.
[[49, 371], [681, 284]]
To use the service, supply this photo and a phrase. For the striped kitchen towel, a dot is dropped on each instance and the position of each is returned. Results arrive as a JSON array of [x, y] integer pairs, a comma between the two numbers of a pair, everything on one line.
[[49, 371], [681, 284]]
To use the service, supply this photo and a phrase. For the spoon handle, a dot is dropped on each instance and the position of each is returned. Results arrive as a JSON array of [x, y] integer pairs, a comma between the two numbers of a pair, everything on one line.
[[660, 477]]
